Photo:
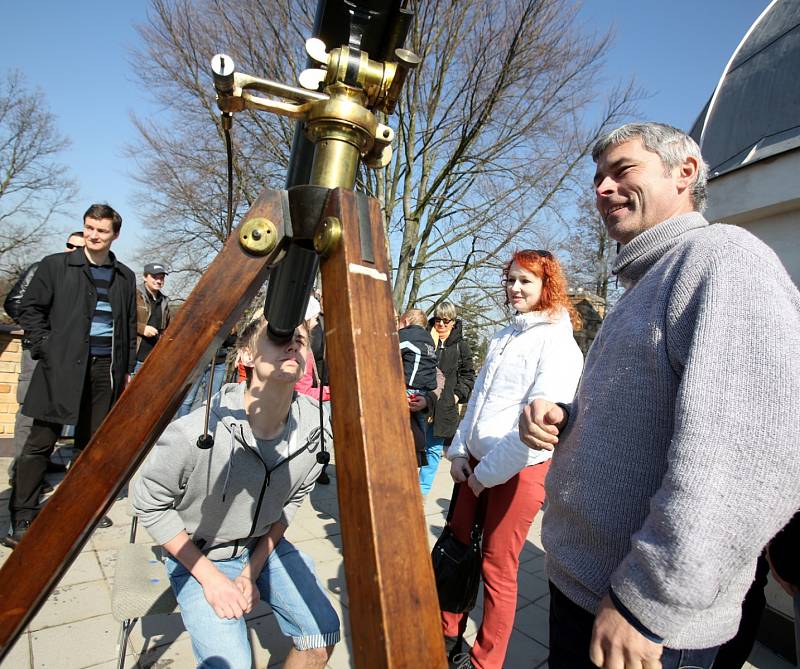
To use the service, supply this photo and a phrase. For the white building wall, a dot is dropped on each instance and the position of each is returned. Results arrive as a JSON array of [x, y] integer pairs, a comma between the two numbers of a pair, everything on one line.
[[763, 198]]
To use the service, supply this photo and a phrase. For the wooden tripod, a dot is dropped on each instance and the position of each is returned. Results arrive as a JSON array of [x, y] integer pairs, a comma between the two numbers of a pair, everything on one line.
[[393, 605]]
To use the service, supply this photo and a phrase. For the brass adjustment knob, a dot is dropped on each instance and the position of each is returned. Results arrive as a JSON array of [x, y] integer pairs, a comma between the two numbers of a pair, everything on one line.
[[327, 235], [258, 236]]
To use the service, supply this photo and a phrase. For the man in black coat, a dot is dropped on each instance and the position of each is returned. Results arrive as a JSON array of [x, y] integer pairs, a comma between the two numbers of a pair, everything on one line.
[[23, 423], [79, 316]]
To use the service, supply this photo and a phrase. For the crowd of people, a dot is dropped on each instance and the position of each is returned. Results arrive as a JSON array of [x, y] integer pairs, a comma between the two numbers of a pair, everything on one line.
[[668, 460]]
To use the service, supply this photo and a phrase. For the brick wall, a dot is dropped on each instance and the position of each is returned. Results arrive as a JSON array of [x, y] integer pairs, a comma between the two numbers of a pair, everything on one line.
[[10, 357]]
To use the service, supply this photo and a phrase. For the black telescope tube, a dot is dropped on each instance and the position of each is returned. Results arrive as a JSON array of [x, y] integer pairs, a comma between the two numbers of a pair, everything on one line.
[[290, 285]]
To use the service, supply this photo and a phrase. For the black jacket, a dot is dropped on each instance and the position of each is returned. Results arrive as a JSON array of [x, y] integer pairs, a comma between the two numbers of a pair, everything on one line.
[[419, 359], [56, 313], [14, 297], [455, 361]]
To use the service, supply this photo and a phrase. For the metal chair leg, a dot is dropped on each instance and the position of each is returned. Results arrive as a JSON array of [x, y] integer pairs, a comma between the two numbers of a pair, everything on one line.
[[124, 634]]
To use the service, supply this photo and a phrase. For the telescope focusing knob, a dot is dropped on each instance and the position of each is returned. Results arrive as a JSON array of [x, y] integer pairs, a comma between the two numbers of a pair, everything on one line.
[[315, 48], [408, 58], [311, 79], [223, 67]]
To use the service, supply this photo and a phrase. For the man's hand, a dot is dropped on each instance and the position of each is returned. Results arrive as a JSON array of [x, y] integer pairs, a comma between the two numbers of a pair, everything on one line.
[[616, 644], [224, 596], [150, 331], [460, 469], [540, 423], [475, 485], [249, 590], [417, 403]]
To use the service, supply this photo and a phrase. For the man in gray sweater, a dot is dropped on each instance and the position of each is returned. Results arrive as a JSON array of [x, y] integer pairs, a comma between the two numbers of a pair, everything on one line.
[[221, 512], [679, 457]]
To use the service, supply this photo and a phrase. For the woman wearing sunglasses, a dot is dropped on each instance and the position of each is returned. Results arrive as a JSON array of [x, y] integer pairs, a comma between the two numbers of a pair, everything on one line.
[[454, 360], [534, 356]]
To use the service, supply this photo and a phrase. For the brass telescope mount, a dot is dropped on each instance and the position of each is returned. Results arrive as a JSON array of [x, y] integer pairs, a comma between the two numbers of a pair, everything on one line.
[[340, 120]]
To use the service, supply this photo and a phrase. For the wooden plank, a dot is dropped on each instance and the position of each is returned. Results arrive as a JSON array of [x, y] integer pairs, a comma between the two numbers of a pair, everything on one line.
[[394, 611]]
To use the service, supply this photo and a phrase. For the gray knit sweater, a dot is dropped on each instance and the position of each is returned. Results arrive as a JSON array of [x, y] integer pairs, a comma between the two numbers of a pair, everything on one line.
[[227, 496], [681, 458]]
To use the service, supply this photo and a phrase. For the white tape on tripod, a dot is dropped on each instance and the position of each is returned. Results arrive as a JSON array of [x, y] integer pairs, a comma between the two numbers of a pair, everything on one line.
[[367, 271]]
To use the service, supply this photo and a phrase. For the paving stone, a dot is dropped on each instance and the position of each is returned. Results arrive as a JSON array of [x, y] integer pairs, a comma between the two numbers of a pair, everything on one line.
[[84, 569], [71, 604], [524, 653], [76, 645], [174, 656], [533, 588], [533, 622], [19, 656], [108, 561], [153, 631]]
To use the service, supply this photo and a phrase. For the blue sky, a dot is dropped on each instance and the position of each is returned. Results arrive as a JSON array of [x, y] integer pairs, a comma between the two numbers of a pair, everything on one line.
[[78, 53]]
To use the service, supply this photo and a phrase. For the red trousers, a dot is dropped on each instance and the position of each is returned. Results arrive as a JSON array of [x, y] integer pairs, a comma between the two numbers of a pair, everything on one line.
[[510, 510]]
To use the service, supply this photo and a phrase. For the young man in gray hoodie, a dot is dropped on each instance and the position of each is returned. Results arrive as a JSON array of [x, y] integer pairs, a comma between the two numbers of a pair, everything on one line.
[[679, 457], [221, 512]]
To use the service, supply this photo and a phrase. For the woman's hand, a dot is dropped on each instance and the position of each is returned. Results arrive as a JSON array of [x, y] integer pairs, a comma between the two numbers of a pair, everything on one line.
[[460, 469], [475, 485]]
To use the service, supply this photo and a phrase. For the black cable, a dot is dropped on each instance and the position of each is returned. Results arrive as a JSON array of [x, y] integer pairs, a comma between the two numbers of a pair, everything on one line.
[[206, 440], [226, 129], [323, 457]]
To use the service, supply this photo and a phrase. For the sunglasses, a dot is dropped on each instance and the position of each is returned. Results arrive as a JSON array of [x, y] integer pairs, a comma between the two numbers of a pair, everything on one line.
[[72, 247], [443, 321], [539, 252]]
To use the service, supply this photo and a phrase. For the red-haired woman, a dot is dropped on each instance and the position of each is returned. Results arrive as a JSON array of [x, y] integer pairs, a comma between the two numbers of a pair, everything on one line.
[[534, 356]]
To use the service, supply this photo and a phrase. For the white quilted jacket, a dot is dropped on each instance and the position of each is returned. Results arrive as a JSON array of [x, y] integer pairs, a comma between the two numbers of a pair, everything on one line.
[[530, 358]]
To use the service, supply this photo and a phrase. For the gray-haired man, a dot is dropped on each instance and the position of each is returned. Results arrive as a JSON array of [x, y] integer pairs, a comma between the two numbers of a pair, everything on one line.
[[679, 457]]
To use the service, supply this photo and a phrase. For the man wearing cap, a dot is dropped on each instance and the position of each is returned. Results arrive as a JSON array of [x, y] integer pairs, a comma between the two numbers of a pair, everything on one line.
[[152, 310]]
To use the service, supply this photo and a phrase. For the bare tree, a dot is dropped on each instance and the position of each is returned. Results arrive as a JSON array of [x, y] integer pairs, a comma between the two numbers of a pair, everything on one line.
[[492, 131], [33, 185], [180, 157], [591, 251]]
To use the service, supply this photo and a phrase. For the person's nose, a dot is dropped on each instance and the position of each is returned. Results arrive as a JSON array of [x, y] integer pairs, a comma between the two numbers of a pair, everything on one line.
[[606, 186]]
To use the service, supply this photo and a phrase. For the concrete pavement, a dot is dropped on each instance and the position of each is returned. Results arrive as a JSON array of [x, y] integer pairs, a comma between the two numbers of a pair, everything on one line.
[[75, 628]]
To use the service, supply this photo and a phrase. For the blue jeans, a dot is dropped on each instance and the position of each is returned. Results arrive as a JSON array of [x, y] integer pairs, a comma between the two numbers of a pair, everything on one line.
[[287, 583], [433, 449], [198, 392], [571, 635]]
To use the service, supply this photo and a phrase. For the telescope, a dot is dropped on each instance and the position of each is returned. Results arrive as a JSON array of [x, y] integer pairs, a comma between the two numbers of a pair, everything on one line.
[[355, 73]]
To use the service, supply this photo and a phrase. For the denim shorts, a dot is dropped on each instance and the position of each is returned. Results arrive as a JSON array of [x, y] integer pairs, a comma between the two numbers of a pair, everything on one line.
[[287, 583]]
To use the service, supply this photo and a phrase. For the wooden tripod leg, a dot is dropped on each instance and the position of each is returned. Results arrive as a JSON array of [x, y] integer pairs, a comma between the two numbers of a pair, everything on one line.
[[65, 523], [394, 611]]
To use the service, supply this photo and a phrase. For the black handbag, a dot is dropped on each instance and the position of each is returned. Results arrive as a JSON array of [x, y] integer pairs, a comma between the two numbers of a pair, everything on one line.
[[456, 565]]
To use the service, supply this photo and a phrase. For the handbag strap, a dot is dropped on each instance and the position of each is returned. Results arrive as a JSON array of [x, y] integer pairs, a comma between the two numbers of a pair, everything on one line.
[[480, 514], [452, 506]]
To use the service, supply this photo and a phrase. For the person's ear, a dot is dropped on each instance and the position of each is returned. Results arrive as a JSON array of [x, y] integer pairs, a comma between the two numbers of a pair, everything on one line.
[[687, 172]]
